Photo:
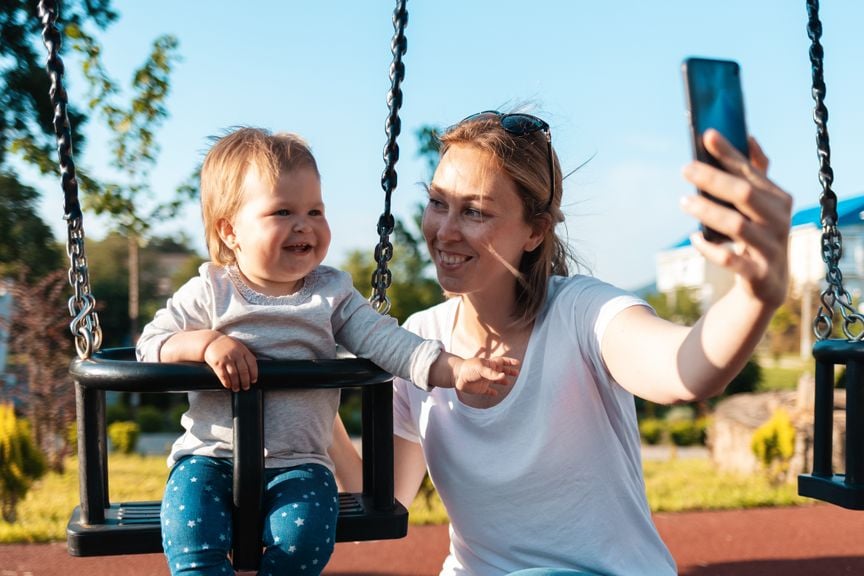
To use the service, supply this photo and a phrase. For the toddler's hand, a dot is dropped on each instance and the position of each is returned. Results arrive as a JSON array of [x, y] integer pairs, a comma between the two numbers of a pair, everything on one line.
[[477, 375], [234, 365]]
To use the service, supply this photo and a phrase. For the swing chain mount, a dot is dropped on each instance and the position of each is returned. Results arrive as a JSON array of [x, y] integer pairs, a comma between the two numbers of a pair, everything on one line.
[[835, 294], [382, 277], [85, 325]]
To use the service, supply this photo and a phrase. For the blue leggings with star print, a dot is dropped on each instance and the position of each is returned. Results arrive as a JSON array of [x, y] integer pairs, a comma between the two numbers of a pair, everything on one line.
[[300, 507]]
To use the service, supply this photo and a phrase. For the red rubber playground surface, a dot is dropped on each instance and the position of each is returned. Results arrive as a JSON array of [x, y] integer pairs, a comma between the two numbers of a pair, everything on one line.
[[803, 541]]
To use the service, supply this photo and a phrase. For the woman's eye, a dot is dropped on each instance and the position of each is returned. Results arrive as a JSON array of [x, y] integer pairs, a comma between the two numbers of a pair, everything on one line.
[[435, 203], [473, 212]]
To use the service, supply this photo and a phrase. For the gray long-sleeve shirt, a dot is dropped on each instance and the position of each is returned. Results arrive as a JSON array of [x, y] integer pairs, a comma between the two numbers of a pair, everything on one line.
[[298, 424]]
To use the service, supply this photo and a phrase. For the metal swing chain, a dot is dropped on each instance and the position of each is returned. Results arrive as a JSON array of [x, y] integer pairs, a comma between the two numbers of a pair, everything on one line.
[[382, 277], [85, 322], [832, 242]]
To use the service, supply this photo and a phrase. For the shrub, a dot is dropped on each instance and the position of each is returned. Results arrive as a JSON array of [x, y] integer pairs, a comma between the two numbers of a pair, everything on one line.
[[773, 443], [123, 436], [20, 461], [150, 419], [176, 413], [651, 430], [72, 435], [747, 380], [117, 413], [687, 432]]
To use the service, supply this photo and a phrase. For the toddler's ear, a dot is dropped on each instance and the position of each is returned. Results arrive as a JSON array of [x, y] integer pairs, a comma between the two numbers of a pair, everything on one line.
[[226, 232]]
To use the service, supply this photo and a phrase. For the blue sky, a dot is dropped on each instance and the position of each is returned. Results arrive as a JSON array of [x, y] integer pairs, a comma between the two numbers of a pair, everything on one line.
[[605, 75]]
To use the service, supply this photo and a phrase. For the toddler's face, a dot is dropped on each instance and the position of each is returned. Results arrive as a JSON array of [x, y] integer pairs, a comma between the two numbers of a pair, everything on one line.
[[280, 233]]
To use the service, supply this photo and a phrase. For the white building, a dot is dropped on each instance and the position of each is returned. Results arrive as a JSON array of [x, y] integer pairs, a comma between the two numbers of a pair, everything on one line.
[[682, 266]]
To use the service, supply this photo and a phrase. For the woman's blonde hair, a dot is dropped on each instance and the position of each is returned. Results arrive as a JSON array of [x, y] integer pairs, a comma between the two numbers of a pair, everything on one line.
[[524, 158], [226, 166]]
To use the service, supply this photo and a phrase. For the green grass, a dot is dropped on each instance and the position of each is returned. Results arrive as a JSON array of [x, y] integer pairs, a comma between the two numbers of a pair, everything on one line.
[[44, 513], [672, 486], [694, 484], [779, 378], [782, 373]]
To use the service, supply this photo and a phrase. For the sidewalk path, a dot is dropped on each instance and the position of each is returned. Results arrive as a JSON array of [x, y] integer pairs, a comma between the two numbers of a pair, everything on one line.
[[804, 541]]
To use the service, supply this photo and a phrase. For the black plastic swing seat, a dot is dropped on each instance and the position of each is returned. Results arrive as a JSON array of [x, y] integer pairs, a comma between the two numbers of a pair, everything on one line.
[[847, 489], [133, 527], [100, 528]]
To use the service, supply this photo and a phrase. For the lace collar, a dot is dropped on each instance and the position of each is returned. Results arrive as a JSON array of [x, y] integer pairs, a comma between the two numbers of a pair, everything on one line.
[[254, 297]]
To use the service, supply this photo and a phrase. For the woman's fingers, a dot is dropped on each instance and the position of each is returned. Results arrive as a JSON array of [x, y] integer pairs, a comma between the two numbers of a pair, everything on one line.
[[742, 184], [758, 223]]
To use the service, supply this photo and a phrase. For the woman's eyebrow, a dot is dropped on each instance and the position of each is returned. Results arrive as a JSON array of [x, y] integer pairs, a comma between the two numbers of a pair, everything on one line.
[[430, 188]]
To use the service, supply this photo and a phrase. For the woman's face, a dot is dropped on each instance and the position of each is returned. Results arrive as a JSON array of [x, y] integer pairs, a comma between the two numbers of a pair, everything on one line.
[[474, 224]]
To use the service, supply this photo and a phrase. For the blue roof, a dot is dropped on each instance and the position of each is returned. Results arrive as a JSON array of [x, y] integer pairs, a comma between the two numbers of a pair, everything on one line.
[[849, 211]]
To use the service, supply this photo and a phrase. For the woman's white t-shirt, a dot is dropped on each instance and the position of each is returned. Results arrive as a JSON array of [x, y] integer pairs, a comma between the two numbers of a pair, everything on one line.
[[552, 475]]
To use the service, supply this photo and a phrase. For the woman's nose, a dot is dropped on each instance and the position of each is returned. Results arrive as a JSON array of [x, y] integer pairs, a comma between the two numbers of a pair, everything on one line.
[[448, 227]]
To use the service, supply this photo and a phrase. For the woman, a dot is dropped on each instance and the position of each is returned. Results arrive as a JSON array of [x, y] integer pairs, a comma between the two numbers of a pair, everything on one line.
[[547, 473]]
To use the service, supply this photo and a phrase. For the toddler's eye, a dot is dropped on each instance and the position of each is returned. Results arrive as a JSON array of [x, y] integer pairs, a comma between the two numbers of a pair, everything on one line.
[[282, 212]]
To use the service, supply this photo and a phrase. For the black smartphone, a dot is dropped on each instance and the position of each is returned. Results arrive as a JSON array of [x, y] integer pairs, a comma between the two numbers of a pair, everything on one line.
[[714, 100]]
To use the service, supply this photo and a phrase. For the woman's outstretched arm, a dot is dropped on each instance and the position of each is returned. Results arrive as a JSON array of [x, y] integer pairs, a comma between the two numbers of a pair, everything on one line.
[[664, 362]]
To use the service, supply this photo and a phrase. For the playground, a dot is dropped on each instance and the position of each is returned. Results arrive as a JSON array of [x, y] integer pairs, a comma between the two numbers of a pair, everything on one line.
[[799, 541]]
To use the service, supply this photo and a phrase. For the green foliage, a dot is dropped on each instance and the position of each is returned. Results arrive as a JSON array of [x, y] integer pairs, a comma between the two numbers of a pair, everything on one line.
[[747, 380], [20, 461], [651, 430], [773, 443], [27, 245], [687, 432], [784, 330], [682, 307], [25, 109], [117, 412], [412, 289], [176, 412], [109, 276], [150, 419], [123, 436], [133, 145], [428, 146]]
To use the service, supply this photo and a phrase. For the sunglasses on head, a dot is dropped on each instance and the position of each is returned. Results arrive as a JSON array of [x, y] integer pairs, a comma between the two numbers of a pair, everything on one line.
[[520, 124]]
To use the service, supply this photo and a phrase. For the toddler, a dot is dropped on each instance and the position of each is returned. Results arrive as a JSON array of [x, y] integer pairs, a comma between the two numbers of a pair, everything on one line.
[[265, 295]]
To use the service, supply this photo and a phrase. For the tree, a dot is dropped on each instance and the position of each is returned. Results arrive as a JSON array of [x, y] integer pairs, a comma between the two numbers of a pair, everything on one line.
[[26, 242], [131, 202], [25, 108], [43, 347], [412, 288], [682, 307], [109, 274]]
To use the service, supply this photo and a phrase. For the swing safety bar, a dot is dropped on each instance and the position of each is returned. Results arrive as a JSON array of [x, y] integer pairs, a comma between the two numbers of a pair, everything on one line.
[[846, 490], [99, 528]]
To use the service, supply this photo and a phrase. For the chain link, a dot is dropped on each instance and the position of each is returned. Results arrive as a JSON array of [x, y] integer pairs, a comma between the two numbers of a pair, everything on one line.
[[382, 277], [834, 295], [85, 325]]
